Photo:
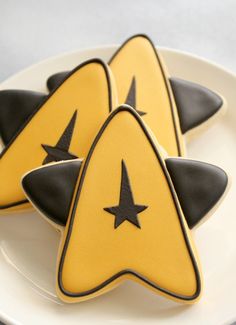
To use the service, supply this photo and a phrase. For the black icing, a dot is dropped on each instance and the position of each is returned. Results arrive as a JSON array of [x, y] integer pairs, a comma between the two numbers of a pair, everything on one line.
[[131, 97], [51, 189], [57, 154], [126, 271], [15, 108], [44, 100], [61, 149], [56, 79], [127, 209], [198, 185], [195, 103]]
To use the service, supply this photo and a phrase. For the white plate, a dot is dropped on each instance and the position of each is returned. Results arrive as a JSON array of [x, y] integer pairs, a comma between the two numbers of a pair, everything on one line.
[[28, 245]]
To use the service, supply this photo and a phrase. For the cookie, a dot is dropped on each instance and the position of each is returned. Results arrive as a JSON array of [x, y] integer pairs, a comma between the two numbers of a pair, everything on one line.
[[127, 213], [171, 107], [39, 129]]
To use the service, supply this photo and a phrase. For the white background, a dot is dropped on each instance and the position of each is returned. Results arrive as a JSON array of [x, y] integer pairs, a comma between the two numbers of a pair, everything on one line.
[[32, 30]]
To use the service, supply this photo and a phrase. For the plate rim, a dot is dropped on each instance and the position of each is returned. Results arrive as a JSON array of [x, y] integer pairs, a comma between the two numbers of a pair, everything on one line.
[[3, 316], [114, 47]]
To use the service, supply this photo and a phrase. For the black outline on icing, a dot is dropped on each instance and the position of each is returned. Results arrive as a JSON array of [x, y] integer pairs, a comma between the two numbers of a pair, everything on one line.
[[166, 80], [175, 199], [107, 74]]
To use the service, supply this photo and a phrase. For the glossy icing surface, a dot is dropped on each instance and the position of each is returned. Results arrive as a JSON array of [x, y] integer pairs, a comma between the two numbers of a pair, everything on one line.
[[130, 213], [137, 58], [51, 189], [16, 106], [96, 255], [61, 150], [47, 125], [199, 186], [195, 103], [143, 83]]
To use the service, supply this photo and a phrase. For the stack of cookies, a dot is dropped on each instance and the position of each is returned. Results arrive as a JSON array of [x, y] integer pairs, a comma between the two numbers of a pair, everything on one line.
[[101, 157]]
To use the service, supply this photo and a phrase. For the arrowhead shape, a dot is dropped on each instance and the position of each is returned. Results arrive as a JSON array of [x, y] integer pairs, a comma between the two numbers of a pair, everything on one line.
[[95, 256], [53, 132], [138, 60], [158, 254]]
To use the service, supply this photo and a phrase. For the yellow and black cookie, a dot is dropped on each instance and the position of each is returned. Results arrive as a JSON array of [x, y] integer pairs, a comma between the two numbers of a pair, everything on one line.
[[170, 106], [126, 212], [38, 129]]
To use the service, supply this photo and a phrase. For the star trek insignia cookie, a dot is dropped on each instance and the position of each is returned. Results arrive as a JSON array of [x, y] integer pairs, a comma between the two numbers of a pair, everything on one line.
[[171, 107], [127, 213], [38, 129]]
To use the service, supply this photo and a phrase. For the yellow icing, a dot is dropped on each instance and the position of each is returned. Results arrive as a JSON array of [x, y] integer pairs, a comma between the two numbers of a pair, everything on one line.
[[137, 58], [86, 91], [95, 251]]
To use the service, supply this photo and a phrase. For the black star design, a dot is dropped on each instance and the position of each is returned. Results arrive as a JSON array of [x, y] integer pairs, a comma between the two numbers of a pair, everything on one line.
[[127, 209], [61, 150], [131, 97]]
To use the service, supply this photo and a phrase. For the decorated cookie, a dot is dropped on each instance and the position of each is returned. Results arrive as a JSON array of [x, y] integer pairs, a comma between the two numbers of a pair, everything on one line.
[[170, 106], [38, 129], [127, 213]]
